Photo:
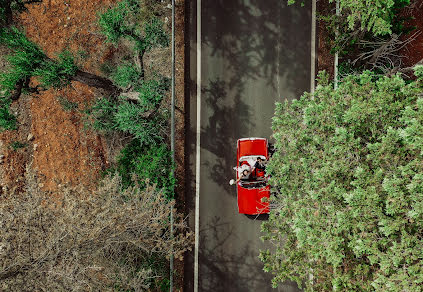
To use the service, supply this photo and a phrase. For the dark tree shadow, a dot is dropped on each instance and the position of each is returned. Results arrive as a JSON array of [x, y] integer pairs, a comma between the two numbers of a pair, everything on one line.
[[260, 39], [219, 136], [223, 270]]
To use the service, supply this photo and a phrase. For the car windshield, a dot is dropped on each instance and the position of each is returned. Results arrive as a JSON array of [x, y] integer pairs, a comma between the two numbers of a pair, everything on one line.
[[253, 184]]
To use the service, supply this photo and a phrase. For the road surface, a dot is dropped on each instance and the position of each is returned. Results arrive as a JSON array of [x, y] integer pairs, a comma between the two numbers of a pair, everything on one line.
[[253, 53]]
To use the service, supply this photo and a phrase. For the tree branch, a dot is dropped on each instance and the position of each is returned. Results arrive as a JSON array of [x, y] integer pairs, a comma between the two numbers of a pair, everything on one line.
[[96, 81]]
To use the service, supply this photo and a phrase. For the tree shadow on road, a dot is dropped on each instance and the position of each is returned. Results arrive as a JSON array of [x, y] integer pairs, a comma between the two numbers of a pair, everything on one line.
[[230, 270], [219, 135], [260, 39]]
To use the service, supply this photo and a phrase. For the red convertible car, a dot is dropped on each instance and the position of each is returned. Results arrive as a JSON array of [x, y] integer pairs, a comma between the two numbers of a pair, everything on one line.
[[251, 181]]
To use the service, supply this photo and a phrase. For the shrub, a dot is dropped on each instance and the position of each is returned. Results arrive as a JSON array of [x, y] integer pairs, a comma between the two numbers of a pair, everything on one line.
[[376, 17], [120, 22], [147, 162], [57, 73], [7, 120], [129, 118], [348, 173], [126, 75], [26, 58], [101, 115]]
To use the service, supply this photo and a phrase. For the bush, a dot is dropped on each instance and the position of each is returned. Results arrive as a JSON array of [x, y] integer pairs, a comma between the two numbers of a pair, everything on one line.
[[121, 22], [101, 115], [126, 75], [129, 118], [377, 17], [348, 172], [147, 162], [57, 73], [7, 120], [26, 57]]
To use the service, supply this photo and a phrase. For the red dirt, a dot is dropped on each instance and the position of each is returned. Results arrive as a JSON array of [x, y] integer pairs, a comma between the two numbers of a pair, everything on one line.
[[414, 51], [63, 152], [325, 60]]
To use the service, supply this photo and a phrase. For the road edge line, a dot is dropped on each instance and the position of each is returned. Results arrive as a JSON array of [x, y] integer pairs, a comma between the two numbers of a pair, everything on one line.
[[197, 161]]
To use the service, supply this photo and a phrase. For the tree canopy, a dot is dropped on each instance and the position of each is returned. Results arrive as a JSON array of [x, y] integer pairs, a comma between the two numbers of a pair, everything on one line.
[[375, 16], [348, 173]]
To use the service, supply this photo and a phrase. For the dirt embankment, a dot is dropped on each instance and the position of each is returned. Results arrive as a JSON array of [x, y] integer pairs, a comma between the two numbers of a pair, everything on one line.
[[54, 140], [414, 51]]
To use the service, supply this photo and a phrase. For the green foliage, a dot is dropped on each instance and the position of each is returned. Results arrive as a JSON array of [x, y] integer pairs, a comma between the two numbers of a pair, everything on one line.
[[154, 35], [376, 16], [121, 22], [102, 115], [26, 58], [148, 162], [29, 60], [126, 74], [127, 116], [130, 118], [418, 71], [113, 22], [348, 172], [152, 92], [15, 145], [56, 73], [15, 39], [7, 120]]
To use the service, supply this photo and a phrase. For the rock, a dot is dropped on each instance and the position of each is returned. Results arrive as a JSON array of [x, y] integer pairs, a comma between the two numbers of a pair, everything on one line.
[[30, 137], [169, 6], [40, 185], [35, 147]]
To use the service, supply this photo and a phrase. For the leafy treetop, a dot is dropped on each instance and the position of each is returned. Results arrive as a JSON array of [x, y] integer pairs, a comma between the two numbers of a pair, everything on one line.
[[349, 174]]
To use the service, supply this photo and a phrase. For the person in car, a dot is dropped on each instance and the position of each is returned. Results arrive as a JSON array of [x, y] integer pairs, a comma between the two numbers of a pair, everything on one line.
[[244, 176], [260, 164]]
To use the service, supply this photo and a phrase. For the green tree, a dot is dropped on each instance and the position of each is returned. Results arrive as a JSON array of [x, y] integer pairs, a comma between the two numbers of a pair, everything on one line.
[[373, 16], [348, 214], [152, 163], [134, 100]]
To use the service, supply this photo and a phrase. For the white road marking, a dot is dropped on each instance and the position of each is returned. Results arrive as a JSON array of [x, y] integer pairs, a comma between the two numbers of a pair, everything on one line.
[[197, 161], [313, 46]]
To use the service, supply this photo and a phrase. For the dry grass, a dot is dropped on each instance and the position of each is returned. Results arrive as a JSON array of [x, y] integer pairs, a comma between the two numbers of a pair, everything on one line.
[[82, 241]]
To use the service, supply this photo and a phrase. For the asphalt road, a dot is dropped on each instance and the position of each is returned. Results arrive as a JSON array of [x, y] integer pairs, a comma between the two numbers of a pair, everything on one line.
[[254, 53]]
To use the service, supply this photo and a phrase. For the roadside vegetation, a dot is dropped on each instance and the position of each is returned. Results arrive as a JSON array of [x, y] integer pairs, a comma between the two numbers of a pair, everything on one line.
[[346, 214], [116, 238]]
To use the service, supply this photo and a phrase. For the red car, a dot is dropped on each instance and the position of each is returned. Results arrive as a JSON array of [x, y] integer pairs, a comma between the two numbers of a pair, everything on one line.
[[253, 189]]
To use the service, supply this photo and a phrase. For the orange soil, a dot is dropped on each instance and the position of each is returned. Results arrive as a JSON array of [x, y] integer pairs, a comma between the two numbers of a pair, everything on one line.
[[414, 51], [63, 151]]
